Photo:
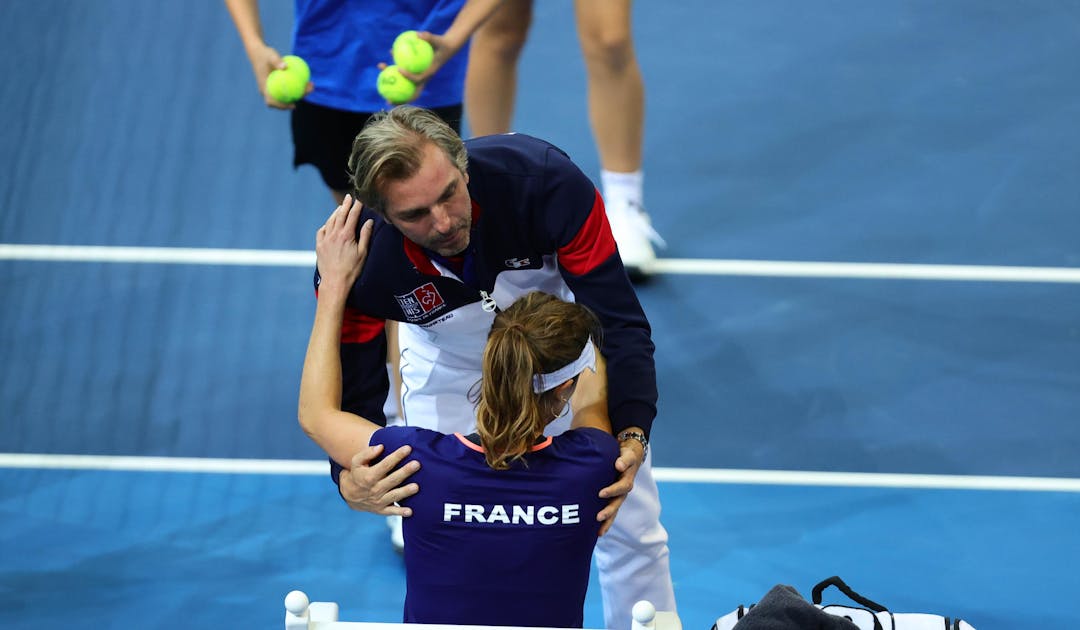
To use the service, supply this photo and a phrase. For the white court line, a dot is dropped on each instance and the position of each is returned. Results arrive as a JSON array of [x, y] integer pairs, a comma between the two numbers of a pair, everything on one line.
[[683, 475], [166, 255], [674, 266], [166, 464], [866, 480], [888, 271]]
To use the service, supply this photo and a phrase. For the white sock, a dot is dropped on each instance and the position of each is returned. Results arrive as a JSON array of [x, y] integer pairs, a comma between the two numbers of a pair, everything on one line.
[[620, 188]]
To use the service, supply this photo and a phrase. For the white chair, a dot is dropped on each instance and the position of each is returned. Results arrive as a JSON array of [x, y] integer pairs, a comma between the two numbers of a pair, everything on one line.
[[303, 614]]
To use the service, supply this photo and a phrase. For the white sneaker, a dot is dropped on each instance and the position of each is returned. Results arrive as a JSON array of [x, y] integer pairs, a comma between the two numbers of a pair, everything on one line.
[[397, 536], [635, 236]]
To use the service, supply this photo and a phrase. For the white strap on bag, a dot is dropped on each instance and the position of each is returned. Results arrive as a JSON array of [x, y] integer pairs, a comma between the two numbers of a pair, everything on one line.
[[874, 616], [869, 620]]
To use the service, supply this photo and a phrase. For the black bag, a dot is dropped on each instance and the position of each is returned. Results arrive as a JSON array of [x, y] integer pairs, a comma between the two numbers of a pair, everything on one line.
[[782, 609]]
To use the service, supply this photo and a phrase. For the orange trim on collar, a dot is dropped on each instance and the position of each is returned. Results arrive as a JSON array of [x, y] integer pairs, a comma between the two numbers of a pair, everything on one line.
[[464, 440], [480, 449], [546, 443]]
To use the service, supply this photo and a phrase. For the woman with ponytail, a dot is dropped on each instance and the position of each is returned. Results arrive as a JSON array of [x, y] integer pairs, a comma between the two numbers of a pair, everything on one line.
[[503, 530]]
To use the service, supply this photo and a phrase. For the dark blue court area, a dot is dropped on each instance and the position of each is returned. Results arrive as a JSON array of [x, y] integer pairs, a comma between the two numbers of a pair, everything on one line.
[[900, 132]]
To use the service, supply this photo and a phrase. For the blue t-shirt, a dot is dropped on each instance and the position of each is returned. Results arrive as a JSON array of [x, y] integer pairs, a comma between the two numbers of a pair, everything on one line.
[[343, 42], [502, 547]]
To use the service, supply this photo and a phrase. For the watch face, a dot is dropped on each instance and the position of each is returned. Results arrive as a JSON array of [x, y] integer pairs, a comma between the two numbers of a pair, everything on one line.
[[638, 437]]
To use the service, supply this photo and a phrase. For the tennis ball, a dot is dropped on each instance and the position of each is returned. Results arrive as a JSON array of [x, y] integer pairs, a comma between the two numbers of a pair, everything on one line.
[[286, 87], [299, 66], [411, 53], [394, 87]]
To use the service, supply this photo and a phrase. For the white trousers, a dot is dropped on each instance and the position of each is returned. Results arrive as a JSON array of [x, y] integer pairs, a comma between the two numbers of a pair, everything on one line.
[[632, 557]]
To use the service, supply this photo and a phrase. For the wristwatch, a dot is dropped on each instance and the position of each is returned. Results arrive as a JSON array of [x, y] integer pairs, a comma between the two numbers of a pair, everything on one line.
[[640, 437]]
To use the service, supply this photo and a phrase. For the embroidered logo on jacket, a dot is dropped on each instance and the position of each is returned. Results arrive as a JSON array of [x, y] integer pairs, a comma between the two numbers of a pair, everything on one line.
[[420, 302], [516, 263]]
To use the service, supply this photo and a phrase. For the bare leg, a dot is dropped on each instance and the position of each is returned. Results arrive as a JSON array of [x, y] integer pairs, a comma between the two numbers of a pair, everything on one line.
[[616, 90], [617, 115], [491, 80]]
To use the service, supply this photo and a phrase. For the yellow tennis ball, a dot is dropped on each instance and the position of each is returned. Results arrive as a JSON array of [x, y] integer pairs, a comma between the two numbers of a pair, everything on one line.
[[299, 66], [394, 87], [286, 87], [411, 53]]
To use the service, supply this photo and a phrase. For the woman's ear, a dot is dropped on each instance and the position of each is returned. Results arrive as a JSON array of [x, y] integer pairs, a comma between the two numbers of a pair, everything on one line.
[[564, 391]]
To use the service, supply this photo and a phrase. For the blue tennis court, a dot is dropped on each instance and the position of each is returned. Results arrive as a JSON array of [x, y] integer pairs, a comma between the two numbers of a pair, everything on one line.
[[867, 319]]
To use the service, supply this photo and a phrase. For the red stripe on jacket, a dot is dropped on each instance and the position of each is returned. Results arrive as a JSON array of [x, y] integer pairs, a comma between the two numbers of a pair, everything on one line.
[[360, 328], [419, 258], [357, 327], [592, 245]]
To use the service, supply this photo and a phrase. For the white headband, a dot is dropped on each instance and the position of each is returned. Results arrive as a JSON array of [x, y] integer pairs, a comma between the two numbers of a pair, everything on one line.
[[551, 380]]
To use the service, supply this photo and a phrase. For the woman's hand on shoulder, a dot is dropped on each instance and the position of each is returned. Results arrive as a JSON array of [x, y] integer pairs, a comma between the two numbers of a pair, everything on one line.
[[340, 252]]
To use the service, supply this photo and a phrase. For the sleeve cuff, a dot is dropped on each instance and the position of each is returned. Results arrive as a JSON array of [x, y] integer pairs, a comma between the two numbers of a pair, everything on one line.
[[633, 414]]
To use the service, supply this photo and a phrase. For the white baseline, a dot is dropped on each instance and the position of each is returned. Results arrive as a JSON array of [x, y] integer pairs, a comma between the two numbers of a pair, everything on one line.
[[670, 266], [672, 475]]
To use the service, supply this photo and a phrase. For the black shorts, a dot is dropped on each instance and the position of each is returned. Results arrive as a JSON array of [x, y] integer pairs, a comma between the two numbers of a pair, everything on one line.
[[323, 137]]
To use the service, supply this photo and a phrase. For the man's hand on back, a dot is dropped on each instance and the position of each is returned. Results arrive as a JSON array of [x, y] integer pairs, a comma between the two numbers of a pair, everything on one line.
[[377, 487]]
